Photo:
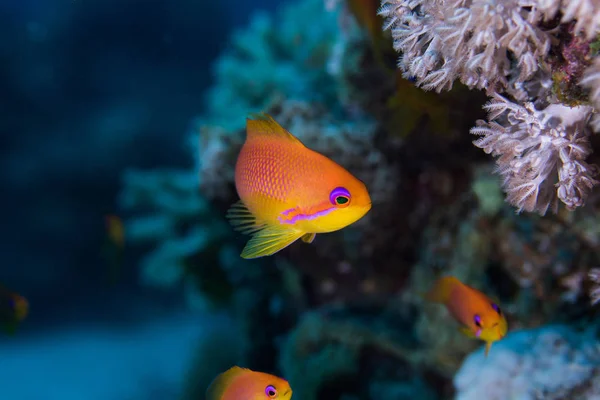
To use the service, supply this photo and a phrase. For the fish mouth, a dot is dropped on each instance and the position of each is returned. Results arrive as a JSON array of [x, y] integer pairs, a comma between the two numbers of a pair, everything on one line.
[[501, 334], [498, 331]]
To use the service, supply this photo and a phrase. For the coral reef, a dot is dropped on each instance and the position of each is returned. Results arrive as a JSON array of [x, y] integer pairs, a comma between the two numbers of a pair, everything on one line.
[[353, 297], [551, 363], [538, 148], [474, 41], [347, 110], [167, 211], [594, 276], [534, 267], [179, 214], [531, 51], [334, 352]]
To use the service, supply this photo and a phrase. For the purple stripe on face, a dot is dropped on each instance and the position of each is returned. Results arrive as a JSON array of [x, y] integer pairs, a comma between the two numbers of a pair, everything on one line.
[[299, 217], [287, 212]]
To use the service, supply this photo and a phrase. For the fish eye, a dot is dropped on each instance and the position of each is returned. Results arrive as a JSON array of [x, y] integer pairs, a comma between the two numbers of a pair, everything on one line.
[[341, 200], [271, 391], [340, 197], [496, 308], [477, 320]]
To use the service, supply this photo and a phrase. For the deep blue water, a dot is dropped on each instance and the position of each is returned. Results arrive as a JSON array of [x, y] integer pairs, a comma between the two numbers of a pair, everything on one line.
[[87, 89]]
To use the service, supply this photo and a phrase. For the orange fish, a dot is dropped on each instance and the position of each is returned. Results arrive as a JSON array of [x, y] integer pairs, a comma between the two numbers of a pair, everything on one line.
[[243, 384], [114, 246], [481, 317], [288, 191], [115, 230], [13, 309]]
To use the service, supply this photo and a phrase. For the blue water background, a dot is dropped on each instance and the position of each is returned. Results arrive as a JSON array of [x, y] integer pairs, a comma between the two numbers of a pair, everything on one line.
[[87, 89]]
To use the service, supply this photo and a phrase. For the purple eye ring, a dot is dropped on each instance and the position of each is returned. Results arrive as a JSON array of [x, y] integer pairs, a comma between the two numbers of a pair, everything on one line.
[[477, 320], [496, 308], [339, 197], [271, 391]]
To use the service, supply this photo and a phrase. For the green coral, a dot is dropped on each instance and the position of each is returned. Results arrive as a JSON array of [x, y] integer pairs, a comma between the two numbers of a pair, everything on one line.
[[566, 91]]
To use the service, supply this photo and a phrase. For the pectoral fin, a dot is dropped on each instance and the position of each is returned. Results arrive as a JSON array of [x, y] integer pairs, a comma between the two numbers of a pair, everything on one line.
[[270, 240], [467, 332], [309, 237], [242, 219]]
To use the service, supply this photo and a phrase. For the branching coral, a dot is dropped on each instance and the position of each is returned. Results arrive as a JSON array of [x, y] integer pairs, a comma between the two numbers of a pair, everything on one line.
[[509, 47], [474, 41], [591, 81], [487, 44], [586, 13], [594, 276], [538, 148]]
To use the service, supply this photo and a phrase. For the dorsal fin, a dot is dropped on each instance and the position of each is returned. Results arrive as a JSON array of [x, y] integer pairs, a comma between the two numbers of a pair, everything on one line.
[[441, 290], [262, 124], [216, 389]]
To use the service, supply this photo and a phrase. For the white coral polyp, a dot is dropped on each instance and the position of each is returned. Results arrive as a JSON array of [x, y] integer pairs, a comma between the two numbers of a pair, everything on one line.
[[591, 81], [585, 13], [476, 41], [594, 276], [541, 153]]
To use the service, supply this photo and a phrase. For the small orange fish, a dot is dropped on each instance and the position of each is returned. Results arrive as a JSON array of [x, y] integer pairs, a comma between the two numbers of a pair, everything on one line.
[[13, 309], [288, 191], [113, 248], [115, 230], [243, 384], [480, 316]]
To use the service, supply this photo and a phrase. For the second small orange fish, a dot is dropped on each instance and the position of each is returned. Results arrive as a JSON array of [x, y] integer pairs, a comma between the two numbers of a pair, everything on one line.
[[115, 230], [244, 384], [13, 309], [288, 191], [481, 317]]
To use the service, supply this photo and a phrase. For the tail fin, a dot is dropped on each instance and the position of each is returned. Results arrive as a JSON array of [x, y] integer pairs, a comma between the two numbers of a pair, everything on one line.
[[441, 290]]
